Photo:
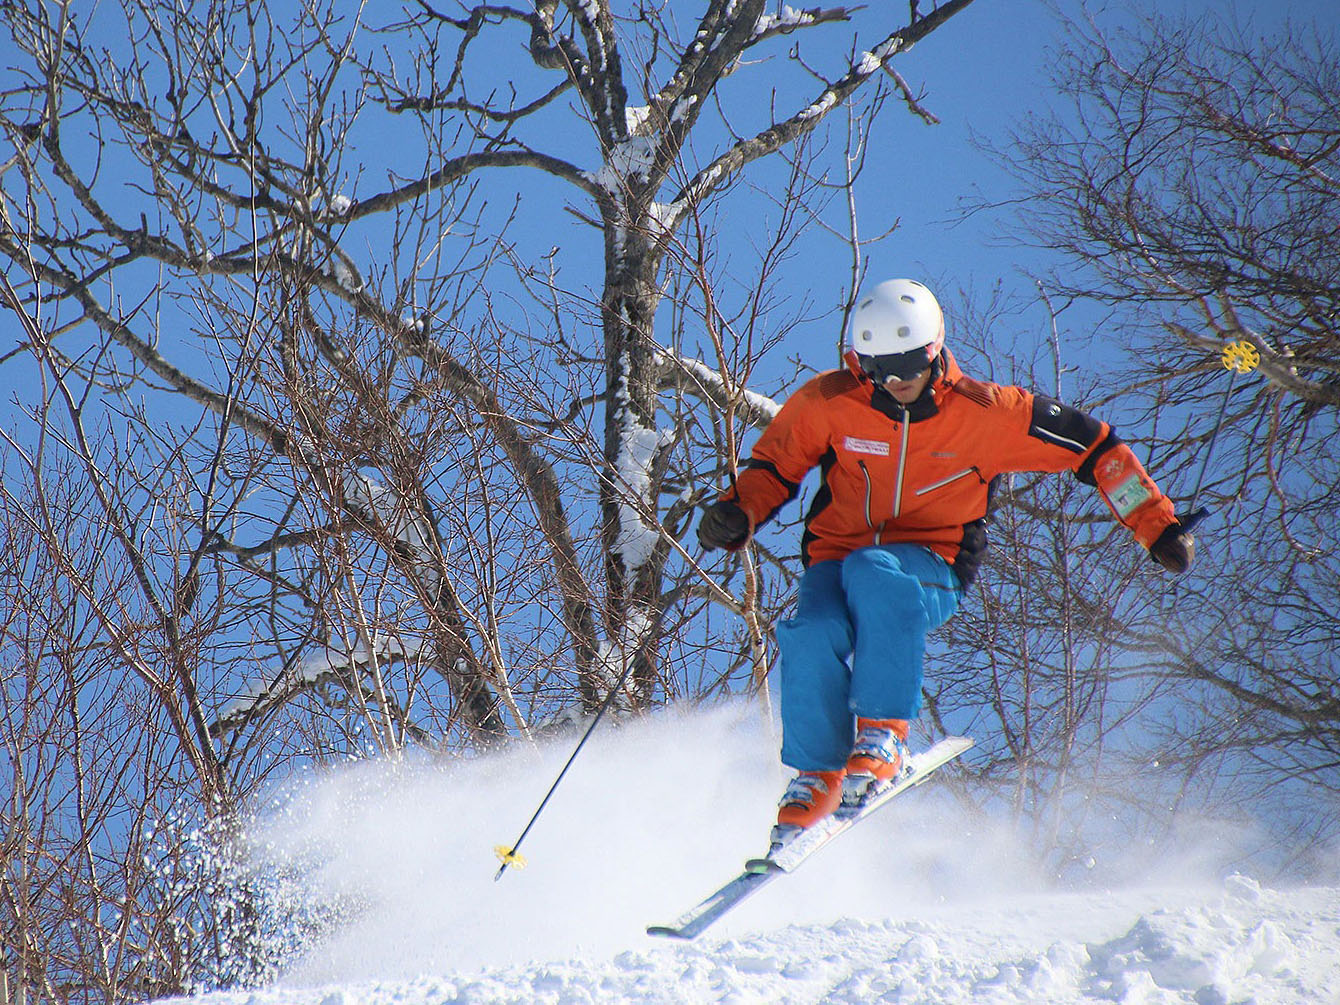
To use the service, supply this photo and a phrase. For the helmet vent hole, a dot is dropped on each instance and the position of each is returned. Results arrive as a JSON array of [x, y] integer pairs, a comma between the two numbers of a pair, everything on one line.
[[867, 335], [908, 300], [904, 331]]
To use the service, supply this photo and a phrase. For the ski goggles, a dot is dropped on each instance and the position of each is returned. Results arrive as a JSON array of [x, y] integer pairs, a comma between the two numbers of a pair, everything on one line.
[[900, 366]]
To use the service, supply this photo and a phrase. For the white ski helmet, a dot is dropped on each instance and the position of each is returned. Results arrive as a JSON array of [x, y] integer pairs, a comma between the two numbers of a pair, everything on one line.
[[897, 329]]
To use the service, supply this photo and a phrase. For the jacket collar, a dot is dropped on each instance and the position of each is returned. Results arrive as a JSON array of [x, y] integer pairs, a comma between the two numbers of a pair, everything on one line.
[[947, 374]]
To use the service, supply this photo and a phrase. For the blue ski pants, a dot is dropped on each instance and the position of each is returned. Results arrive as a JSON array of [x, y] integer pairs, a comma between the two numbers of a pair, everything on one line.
[[857, 645]]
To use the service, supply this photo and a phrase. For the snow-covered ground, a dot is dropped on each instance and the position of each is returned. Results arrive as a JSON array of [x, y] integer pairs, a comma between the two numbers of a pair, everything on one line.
[[924, 904]]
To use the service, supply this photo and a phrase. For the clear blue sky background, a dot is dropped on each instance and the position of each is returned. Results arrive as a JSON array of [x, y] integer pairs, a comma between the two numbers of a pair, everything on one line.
[[982, 73]]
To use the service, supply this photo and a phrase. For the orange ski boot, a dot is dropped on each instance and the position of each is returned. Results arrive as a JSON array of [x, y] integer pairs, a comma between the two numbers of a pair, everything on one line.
[[811, 796], [876, 758]]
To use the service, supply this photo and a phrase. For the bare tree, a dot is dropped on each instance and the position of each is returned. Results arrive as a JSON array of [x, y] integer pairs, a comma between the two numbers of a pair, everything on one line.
[[1198, 175], [252, 214], [367, 467], [99, 747], [1192, 186]]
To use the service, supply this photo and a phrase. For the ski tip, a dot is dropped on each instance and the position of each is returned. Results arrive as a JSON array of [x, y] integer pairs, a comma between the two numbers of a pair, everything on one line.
[[667, 932]]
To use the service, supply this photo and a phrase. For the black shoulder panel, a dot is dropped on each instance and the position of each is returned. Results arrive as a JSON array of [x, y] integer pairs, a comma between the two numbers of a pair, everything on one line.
[[1062, 425]]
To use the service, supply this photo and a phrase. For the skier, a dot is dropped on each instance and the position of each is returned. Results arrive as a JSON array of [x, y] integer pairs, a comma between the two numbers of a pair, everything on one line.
[[909, 449]]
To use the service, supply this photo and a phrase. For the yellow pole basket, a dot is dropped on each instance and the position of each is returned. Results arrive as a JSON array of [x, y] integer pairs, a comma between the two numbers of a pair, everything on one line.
[[1240, 356]]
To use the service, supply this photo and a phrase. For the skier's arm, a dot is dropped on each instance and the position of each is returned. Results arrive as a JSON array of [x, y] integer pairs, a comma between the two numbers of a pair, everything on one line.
[[792, 444], [1051, 436]]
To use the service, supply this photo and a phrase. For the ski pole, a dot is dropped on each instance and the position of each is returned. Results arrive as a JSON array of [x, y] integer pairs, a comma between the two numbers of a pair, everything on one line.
[[509, 856], [1238, 357]]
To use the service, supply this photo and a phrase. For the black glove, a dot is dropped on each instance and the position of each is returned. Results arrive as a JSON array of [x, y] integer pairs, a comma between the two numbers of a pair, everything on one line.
[[1174, 549], [724, 525]]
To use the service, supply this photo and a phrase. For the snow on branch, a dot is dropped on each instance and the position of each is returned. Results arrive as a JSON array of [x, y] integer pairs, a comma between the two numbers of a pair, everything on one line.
[[631, 158], [326, 665], [640, 449], [788, 19], [756, 409], [615, 654], [414, 538], [412, 531]]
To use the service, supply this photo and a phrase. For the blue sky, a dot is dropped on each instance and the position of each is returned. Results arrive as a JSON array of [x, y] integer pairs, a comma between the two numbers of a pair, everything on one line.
[[981, 74]]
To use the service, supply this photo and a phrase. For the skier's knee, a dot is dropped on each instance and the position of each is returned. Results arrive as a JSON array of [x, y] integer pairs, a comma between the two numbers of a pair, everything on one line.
[[816, 635]]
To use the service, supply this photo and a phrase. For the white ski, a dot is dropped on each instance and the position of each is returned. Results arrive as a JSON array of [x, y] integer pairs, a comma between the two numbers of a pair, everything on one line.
[[759, 872], [807, 842]]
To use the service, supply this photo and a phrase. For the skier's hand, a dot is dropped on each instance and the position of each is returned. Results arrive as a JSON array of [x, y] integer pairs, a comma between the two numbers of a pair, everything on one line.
[[1174, 549], [724, 525]]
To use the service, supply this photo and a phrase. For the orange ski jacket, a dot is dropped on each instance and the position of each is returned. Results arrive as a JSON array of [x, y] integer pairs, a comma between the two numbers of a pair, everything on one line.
[[924, 474]]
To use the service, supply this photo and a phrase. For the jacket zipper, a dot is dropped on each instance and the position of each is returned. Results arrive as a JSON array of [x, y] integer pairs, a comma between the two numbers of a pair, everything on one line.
[[902, 468], [944, 481], [869, 490]]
